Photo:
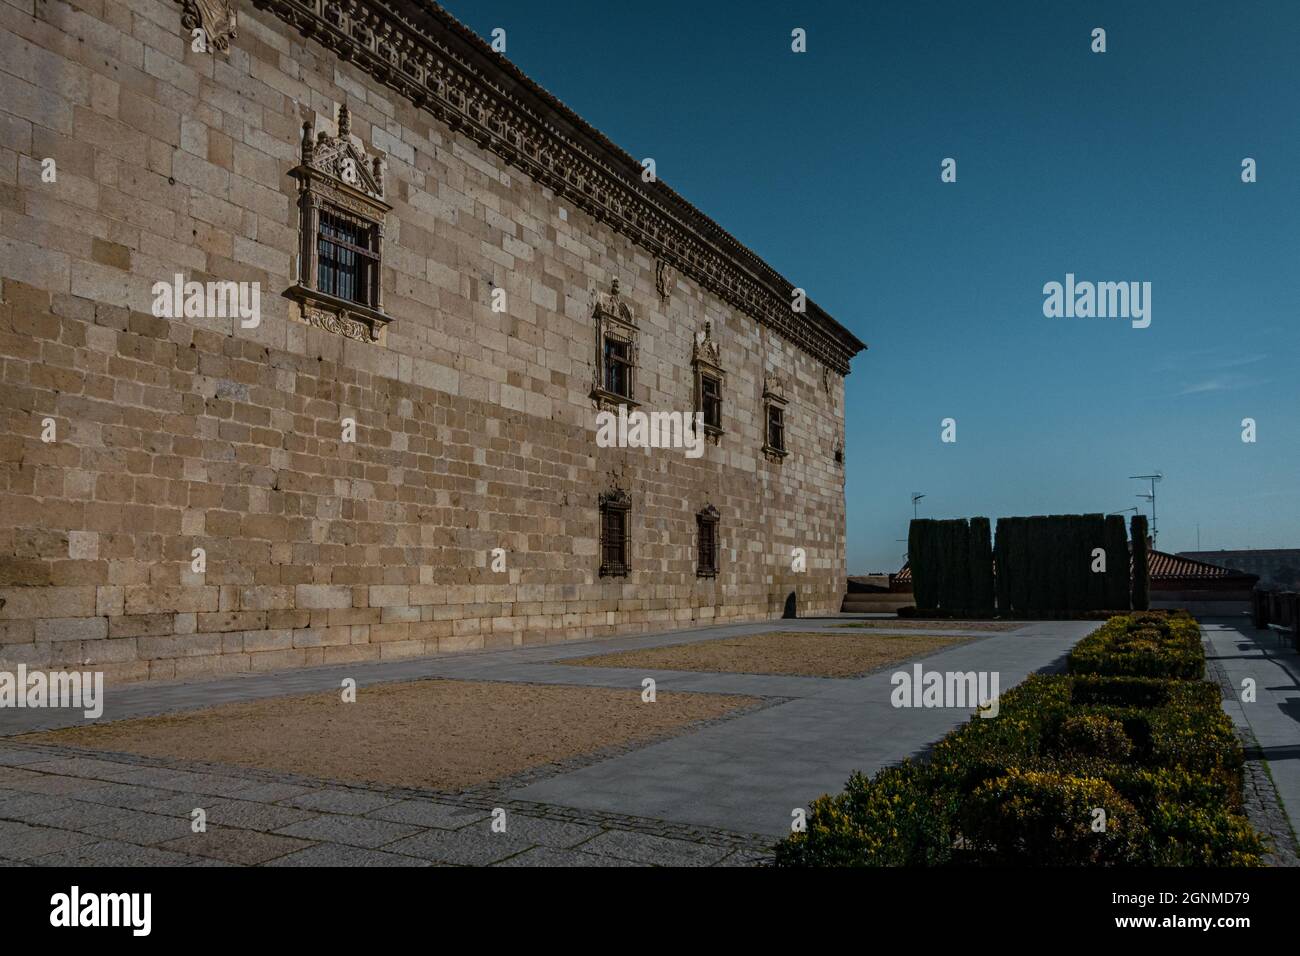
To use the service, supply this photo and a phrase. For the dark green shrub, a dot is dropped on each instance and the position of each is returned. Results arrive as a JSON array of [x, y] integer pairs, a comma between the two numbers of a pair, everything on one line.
[[1002, 571], [1119, 691], [922, 557], [1044, 566], [1199, 835], [893, 819], [981, 567], [1147, 787], [1117, 565], [1093, 735], [1145, 646], [1047, 819]]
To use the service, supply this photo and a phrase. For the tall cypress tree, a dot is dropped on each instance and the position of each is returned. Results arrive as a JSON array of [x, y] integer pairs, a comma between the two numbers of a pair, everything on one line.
[[961, 598], [914, 561], [924, 556], [981, 566], [1067, 562], [1096, 531], [1117, 565], [1019, 559], [1141, 578], [1000, 566]]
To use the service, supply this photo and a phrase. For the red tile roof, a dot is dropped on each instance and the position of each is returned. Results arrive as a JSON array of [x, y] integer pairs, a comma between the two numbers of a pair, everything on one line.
[[1162, 566]]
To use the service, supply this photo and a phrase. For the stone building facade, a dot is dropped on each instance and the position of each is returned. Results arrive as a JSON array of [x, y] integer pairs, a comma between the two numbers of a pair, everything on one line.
[[447, 261]]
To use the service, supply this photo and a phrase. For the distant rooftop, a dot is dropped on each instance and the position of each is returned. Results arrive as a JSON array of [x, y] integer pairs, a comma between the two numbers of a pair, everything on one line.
[[1161, 566]]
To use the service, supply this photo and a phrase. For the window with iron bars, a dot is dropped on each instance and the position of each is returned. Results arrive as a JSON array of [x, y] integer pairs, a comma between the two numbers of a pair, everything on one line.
[[706, 524], [347, 260], [613, 536], [618, 367], [711, 401], [776, 427]]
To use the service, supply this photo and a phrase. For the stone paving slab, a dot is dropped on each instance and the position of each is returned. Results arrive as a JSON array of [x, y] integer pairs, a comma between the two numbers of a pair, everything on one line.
[[329, 854], [340, 801], [653, 851], [349, 830], [79, 815], [130, 826], [30, 807], [57, 785], [550, 856], [244, 814], [427, 813], [459, 846], [248, 847], [21, 841], [114, 853], [15, 757], [117, 794], [549, 833]]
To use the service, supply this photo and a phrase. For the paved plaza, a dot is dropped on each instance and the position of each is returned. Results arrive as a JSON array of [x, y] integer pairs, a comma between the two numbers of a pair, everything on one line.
[[718, 794]]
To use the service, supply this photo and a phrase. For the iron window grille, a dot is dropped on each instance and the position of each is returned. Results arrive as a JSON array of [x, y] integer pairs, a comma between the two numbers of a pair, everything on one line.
[[711, 401], [348, 258], [776, 428], [706, 526], [614, 508], [618, 367]]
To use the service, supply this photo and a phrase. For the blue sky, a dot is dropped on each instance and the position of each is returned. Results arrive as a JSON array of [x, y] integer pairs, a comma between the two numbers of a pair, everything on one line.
[[1122, 166]]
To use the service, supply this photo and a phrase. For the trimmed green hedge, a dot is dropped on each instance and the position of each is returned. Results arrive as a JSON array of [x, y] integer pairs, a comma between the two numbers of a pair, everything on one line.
[[945, 559], [1142, 645], [1131, 732], [1044, 565]]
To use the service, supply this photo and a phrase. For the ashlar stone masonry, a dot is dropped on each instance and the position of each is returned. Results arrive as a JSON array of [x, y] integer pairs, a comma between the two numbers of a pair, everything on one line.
[[447, 258]]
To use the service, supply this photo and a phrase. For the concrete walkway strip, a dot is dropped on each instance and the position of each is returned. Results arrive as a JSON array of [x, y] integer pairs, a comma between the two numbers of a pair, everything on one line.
[[1240, 653]]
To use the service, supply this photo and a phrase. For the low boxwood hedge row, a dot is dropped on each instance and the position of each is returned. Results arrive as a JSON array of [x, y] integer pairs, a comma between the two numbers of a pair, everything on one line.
[[1106, 765], [1142, 645]]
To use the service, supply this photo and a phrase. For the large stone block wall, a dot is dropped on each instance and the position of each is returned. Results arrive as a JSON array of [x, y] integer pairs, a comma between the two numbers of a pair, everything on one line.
[[474, 428]]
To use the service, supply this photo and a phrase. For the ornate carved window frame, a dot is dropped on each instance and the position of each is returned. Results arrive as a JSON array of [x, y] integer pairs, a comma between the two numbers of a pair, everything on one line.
[[774, 398], [619, 503], [614, 320], [706, 359], [336, 175], [708, 518]]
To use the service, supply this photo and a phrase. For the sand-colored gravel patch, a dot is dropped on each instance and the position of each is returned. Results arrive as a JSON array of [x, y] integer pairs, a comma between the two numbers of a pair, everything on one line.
[[798, 653], [436, 734], [912, 625]]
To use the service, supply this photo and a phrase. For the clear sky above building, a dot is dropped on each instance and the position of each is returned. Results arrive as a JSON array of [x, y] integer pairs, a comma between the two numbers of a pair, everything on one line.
[[1122, 166]]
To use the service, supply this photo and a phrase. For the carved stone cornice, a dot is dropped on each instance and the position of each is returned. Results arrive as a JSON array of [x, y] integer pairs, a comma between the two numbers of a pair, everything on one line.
[[421, 51]]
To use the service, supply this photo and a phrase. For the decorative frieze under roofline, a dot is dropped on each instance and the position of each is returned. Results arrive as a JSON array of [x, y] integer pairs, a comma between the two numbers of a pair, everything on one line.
[[421, 51]]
